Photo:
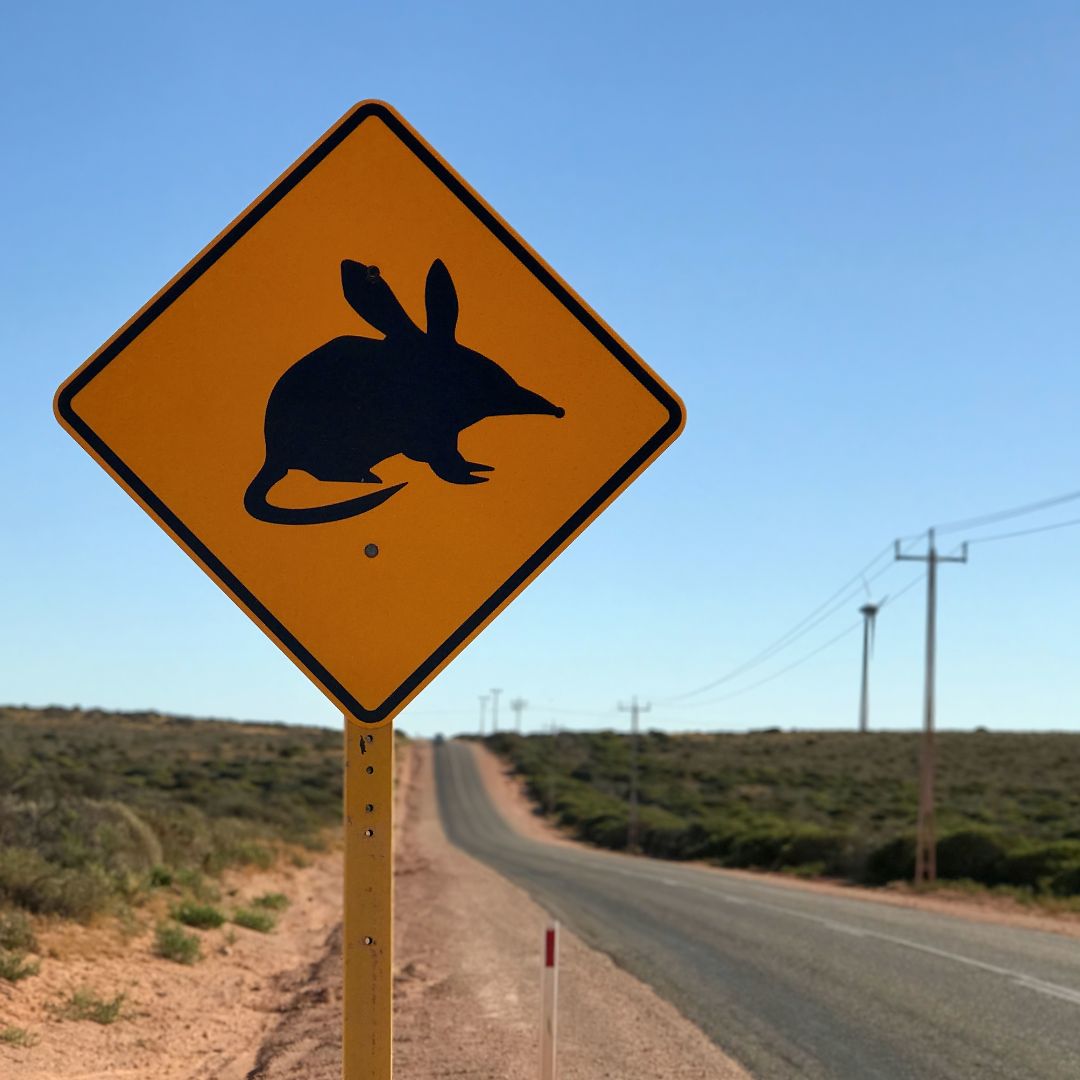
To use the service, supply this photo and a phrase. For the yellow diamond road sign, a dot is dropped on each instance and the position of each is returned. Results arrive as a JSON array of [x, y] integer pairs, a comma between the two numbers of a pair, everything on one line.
[[370, 412]]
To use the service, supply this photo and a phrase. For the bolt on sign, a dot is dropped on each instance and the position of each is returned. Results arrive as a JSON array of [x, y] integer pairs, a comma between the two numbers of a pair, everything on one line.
[[370, 412]]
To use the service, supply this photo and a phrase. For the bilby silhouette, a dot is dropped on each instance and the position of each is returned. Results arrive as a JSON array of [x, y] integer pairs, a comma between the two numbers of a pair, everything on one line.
[[356, 401]]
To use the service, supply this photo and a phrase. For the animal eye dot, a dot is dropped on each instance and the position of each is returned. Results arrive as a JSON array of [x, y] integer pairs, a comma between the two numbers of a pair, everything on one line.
[[371, 550]]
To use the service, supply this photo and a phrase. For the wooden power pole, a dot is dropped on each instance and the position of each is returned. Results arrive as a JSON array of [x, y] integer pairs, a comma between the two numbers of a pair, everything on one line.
[[483, 712], [635, 710], [925, 839], [517, 707]]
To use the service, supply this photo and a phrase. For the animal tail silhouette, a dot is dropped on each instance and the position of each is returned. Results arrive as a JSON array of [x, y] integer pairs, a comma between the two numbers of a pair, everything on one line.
[[258, 505]]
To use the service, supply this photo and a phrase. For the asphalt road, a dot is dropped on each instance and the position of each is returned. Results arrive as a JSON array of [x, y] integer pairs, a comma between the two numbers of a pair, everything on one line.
[[791, 983]]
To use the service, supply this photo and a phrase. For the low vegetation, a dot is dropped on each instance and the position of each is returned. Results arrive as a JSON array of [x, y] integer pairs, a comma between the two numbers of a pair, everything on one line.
[[250, 919], [174, 943], [272, 901], [201, 916], [823, 803], [14, 966], [17, 1036], [87, 1005], [99, 809]]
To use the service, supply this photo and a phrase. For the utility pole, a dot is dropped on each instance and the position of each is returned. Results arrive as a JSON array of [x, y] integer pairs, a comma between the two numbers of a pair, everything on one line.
[[869, 614], [518, 707], [483, 712], [635, 710], [925, 840], [495, 710]]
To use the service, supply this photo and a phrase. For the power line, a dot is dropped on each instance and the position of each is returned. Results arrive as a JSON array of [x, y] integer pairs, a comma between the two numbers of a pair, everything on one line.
[[803, 659], [839, 599], [1004, 515], [776, 675], [823, 611], [1026, 532]]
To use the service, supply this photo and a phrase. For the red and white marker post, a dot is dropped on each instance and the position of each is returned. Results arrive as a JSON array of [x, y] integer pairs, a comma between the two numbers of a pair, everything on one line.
[[549, 1002]]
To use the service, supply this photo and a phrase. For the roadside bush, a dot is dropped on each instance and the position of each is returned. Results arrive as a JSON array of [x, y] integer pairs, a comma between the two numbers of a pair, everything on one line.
[[201, 916], [892, 861], [259, 921], [16, 1036], [28, 880], [16, 933], [273, 901], [75, 833], [1038, 866], [663, 834], [87, 1005], [1066, 882], [14, 966], [974, 854], [173, 943], [812, 845], [760, 847]]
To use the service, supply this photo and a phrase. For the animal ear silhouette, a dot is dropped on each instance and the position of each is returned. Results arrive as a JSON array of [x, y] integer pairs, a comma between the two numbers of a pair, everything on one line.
[[441, 300], [372, 299]]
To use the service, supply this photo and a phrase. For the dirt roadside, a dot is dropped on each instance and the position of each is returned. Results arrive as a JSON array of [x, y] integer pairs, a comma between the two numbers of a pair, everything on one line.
[[268, 1007], [508, 793], [466, 997], [177, 1022]]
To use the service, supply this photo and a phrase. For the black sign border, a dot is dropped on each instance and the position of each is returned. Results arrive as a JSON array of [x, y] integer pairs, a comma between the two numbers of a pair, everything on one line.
[[395, 701]]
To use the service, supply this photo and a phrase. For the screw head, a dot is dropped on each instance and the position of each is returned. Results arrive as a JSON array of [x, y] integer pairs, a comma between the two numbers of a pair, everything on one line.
[[371, 550]]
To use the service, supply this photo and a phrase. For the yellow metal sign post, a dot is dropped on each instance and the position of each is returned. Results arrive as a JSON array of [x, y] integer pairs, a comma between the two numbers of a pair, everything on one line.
[[367, 944], [372, 414]]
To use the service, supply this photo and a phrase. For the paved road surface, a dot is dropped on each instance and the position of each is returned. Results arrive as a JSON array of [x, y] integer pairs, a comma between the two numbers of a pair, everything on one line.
[[791, 983]]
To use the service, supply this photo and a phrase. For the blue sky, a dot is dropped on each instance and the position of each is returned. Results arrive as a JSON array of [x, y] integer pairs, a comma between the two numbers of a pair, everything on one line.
[[847, 234]]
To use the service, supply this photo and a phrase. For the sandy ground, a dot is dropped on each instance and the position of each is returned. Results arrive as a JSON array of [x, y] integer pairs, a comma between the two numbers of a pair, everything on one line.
[[515, 805], [178, 1022], [268, 1007]]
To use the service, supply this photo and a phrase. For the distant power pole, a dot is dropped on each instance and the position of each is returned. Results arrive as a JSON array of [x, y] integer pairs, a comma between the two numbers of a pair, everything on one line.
[[869, 614], [925, 840], [518, 706], [495, 710], [483, 712], [635, 710]]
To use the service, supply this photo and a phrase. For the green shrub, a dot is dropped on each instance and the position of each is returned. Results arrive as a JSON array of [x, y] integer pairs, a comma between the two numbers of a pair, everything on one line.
[[1066, 882], [16, 1036], [1036, 865], [28, 880], [194, 881], [811, 845], [87, 1005], [201, 916], [16, 933], [173, 943], [260, 921], [974, 854], [892, 861], [14, 966], [161, 877], [272, 901]]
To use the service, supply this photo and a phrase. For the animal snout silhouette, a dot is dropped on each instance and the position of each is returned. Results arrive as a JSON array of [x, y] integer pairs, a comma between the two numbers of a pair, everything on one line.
[[355, 401]]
